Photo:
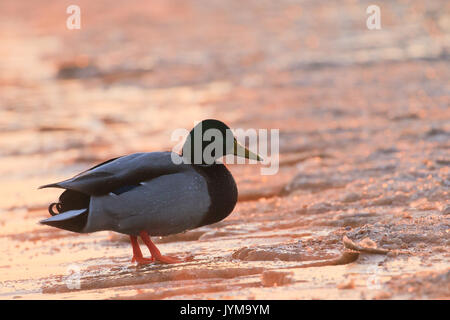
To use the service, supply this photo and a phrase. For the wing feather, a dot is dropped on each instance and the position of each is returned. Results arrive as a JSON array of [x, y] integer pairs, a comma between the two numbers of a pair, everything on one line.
[[123, 171]]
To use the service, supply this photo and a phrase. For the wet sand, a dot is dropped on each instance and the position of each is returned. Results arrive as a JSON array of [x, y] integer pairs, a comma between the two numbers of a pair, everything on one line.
[[359, 208]]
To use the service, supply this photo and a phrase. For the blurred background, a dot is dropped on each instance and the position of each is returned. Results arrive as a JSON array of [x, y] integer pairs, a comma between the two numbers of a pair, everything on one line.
[[364, 123]]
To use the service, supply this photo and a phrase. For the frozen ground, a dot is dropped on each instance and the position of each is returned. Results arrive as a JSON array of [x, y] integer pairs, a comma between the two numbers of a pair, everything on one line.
[[360, 206]]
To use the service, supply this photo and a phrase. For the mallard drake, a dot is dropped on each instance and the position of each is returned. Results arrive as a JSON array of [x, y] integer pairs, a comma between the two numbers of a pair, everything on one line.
[[152, 194]]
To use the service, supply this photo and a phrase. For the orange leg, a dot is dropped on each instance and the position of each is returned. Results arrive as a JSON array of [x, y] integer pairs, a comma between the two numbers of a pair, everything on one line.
[[156, 254], [137, 254]]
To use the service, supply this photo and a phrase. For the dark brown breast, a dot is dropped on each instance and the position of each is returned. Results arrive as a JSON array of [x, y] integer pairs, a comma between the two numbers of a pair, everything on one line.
[[222, 191]]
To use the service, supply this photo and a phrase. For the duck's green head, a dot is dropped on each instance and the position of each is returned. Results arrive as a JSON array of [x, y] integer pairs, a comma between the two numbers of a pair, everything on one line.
[[210, 140]]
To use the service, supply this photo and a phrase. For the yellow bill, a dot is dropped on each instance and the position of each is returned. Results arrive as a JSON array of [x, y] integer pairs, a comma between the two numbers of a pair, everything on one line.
[[241, 151]]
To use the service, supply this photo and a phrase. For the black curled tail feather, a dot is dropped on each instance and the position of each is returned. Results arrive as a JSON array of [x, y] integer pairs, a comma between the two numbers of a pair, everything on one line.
[[69, 200], [70, 212], [58, 208]]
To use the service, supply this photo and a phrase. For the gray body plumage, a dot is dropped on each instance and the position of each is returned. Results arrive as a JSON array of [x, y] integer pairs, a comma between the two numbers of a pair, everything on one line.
[[152, 206], [166, 198]]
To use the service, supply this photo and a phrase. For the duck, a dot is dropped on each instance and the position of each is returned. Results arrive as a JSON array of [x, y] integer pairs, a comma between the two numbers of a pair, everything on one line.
[[152, 194]]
